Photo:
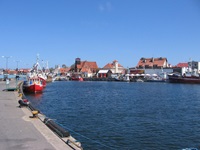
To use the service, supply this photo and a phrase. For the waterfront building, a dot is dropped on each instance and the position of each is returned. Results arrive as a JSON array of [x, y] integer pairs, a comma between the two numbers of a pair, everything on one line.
[[181, 68], [64, 71], [12, 72], [152, 66], [104, 73], [160, 62], [23, 71], [115, 68], [194, 65], [86, 68], [9, 71], [187, 67], [134, 70], [181, 65], [57, 70]]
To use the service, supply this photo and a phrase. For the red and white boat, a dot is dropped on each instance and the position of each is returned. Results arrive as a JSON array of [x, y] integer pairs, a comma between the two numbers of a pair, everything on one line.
[[34, 84], [76, 77], [36, 80]]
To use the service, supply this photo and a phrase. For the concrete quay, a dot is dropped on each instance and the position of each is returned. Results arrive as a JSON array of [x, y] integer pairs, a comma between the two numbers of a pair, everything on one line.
[[20, 132]]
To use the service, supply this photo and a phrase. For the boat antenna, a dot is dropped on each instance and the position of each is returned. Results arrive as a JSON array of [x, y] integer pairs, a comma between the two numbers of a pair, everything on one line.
[[47, 66], [37, 59]]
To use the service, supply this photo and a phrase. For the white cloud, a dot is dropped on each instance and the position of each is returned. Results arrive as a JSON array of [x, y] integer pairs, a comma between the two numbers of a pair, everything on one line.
[[108, 6], [101, 8], [105, 7]]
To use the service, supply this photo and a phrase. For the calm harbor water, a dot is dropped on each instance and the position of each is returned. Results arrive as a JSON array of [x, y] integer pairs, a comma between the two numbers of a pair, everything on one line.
[[120, 115]]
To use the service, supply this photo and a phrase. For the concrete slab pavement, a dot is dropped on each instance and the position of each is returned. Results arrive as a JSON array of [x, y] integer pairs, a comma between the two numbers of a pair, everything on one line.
[[20, 132]]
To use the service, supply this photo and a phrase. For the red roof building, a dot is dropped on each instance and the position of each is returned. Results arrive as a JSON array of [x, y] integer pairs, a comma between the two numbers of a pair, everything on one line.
[[115, 67], [181, 65], [104, 73], [152, 63], [86, 66], [11, 72], [64, 70], [24, 71]]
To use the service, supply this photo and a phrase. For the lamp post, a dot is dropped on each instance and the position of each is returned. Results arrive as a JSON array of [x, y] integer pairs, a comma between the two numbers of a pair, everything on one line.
[[17, 61], [6, 57]]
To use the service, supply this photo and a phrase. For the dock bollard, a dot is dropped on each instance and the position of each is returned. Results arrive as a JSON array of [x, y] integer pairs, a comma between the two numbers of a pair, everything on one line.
[[35, 114], [20, 95]]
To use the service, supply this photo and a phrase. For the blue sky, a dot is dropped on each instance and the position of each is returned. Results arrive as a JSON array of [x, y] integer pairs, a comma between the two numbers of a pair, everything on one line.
[[98, 30]]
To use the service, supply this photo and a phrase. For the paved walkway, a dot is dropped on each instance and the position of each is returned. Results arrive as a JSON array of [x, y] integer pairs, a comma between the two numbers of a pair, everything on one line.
[[18, 131]]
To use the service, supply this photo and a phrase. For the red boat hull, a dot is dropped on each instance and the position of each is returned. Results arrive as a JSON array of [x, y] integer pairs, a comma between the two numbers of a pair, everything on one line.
[[33, 88], [34, 84], [77, 79]]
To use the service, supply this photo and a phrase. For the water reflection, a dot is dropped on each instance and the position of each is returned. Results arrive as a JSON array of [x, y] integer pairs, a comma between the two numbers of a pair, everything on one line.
[[35, 96]]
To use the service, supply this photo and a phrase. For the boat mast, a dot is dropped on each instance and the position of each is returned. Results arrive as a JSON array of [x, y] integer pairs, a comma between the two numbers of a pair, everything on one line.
[[37, 62], [190, 66]]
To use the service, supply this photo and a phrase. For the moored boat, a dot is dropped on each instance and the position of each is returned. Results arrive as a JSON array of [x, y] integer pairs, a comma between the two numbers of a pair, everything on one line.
[[34, 84], [76, 77], [139, 80], [182, 79], [188, 77], [36, 80], [156, 79]]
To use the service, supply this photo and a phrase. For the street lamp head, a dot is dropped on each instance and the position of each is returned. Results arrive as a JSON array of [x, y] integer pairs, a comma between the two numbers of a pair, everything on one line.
[[6, 56]]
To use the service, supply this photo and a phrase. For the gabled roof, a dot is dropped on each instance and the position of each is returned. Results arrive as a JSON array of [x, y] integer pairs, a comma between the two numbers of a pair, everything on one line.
[[181, 65], [111, 65], [159, 62], [64, 70], [86, 70], [86, 64], [12, 71], [24, 70]]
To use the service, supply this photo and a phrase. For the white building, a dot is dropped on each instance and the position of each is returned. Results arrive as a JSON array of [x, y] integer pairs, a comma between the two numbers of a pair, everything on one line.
[[115, 67], [194, 65]]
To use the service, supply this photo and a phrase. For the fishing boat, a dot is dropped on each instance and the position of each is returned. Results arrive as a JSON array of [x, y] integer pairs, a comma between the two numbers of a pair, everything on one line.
[[35, 80], [34, 84], [188, 77]]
